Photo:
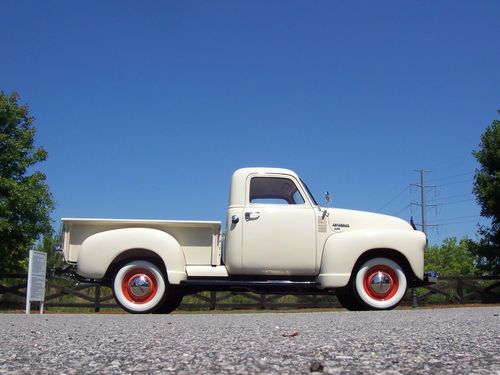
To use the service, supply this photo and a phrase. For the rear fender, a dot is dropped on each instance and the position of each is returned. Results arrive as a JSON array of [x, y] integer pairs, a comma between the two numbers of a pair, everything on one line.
[[100, 250]]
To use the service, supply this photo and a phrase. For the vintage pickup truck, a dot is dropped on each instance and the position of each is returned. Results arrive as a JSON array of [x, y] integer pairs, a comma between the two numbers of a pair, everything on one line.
[[278, 240]]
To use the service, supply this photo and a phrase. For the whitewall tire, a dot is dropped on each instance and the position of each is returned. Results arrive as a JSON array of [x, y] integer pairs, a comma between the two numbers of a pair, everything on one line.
[[139, 287], [380, 284]]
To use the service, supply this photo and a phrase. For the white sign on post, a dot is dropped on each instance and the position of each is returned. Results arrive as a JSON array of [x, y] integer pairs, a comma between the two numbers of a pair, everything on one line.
[[35, 290]]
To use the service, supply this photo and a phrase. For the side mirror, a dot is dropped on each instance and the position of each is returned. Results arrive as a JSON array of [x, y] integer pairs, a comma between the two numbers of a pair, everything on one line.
[[328, 197]]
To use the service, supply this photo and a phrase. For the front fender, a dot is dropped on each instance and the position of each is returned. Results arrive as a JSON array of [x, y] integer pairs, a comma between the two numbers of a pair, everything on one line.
[[99, 250], [342, 250]]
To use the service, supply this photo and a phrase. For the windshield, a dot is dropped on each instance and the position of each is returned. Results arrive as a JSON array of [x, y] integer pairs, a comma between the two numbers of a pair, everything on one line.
[[309, 192]]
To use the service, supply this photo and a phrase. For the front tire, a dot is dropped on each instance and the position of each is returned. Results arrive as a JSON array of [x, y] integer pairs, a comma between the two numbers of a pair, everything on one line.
[[139, 287], [348, 301], [380, 284]]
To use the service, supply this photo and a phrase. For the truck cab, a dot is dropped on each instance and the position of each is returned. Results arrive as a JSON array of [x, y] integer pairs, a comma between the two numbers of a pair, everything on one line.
[[272, 224]]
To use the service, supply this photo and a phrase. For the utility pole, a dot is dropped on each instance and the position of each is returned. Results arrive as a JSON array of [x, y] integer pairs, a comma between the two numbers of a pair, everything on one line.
[[422, 203], [422, 199]]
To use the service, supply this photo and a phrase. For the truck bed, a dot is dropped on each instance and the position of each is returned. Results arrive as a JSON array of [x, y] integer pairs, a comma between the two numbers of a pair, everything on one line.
[[198, 239]]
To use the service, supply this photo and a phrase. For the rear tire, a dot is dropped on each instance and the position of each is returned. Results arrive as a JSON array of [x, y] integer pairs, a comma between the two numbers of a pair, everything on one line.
[[379, 284], [140, 287], [171, 302]]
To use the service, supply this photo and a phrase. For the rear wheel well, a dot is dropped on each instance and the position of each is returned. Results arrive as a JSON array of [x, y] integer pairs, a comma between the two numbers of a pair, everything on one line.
[[131, 255]]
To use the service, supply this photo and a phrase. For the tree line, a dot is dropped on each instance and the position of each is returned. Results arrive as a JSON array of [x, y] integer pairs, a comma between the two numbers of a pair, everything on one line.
[[26, 202]]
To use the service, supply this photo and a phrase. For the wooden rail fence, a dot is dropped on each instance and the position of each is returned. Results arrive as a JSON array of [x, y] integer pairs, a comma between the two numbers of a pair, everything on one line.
[[67, 294]]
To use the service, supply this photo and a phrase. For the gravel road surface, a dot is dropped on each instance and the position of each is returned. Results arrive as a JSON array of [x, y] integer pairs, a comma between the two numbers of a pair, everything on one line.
[[440, 341]]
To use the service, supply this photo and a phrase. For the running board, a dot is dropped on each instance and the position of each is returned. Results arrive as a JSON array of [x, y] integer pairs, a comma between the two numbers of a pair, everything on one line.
[[249, 283]]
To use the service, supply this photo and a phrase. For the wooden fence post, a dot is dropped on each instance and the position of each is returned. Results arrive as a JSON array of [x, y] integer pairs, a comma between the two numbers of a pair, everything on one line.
[[414, 303], [460, 290], [262, 302], [97, 298], [315, 300], [213, 299]]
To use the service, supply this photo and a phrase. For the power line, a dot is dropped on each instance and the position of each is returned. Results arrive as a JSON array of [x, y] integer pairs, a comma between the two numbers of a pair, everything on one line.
[[451, 197], [454, 223], [402, 210], [424, 205], [456, 202], [393, 199], [461, 217], [448, 165], [455, 183], [450, 177]]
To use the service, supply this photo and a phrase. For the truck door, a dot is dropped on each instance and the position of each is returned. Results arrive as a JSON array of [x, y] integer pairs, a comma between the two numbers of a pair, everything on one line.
[[279, 228]]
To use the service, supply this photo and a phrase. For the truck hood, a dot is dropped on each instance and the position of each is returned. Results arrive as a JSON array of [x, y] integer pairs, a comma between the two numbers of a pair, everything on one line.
[[341, 220]]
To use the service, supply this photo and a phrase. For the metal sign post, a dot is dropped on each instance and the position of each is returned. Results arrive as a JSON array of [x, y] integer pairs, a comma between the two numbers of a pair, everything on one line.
[[35, 290]]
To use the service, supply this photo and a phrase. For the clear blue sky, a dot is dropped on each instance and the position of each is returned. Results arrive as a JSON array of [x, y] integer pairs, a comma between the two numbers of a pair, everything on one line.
[[146, 108]]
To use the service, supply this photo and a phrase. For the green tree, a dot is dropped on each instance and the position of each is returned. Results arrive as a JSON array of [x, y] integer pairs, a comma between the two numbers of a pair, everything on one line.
[[25, 200], [47, 245], [451, 258], [487, 190]]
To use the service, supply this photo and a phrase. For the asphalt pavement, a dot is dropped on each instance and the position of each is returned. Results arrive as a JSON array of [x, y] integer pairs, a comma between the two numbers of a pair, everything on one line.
[[426, 341]]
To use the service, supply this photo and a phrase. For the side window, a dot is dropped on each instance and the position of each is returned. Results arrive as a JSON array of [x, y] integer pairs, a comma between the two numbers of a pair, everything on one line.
[[274, 190]]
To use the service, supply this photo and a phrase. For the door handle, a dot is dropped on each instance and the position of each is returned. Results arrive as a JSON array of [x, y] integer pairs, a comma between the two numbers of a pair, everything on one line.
[[252, 216]]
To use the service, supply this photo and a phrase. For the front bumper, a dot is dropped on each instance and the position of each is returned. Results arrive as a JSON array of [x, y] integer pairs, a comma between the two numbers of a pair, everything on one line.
[[430, 278]]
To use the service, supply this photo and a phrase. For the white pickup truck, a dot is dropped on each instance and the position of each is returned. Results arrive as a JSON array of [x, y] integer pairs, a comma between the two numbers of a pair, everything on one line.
[[278, 240]]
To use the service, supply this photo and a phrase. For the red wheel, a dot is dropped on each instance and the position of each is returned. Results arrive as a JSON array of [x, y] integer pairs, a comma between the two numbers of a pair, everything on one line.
[[139, 287], [380, 284]]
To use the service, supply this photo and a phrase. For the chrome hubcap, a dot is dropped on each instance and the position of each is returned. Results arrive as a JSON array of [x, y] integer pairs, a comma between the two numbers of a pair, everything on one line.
[[140, 286], [380, 282]]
